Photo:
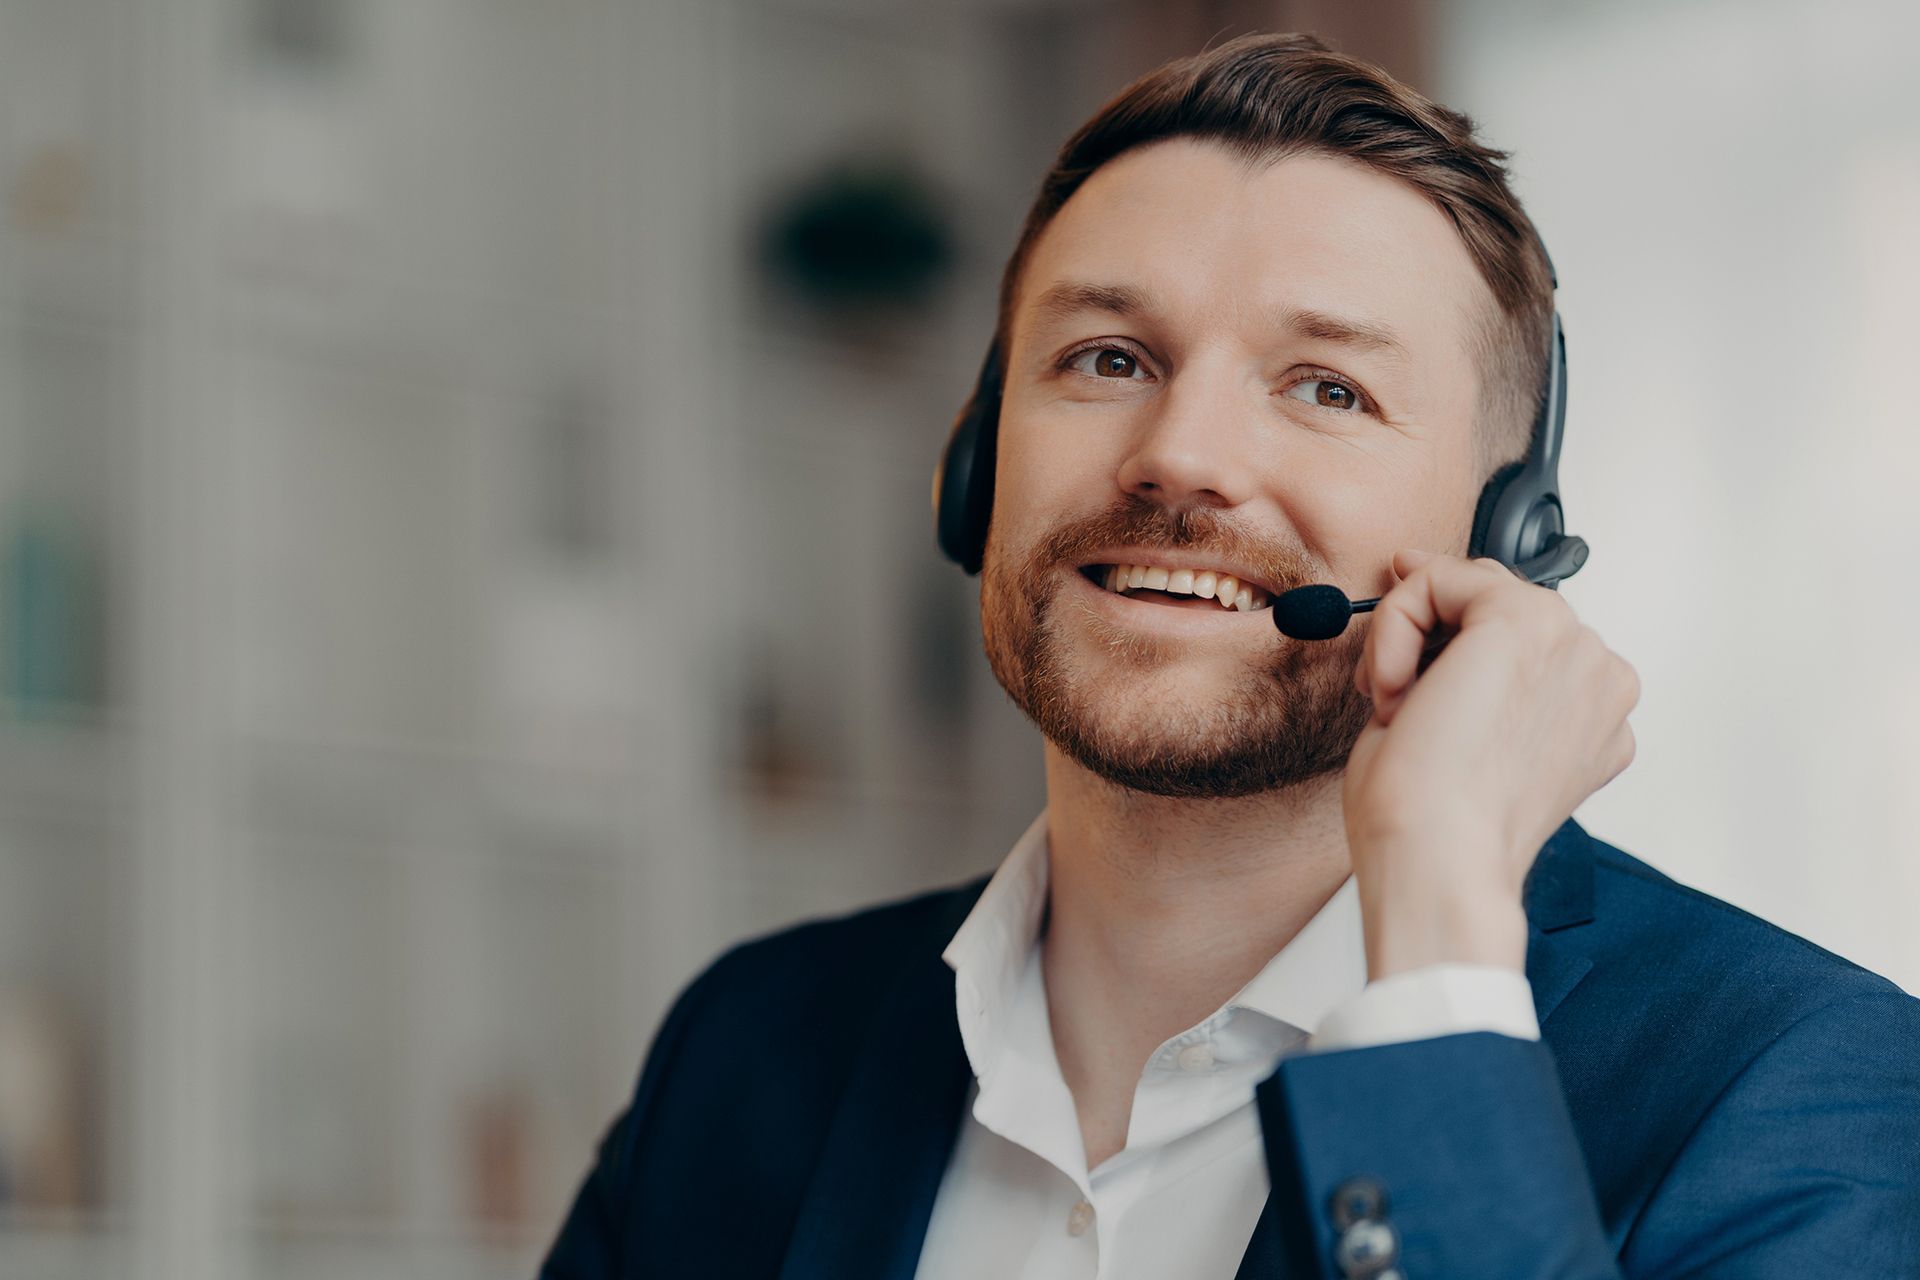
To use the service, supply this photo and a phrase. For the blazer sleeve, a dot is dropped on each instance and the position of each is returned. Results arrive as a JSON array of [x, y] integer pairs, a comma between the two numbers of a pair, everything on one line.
[[1452, 1158], [589, 1245], [1456, 1158]]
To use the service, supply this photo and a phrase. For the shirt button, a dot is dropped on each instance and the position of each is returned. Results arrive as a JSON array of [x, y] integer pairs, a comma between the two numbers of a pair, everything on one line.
[[1196, 1057], [1079, 1218]]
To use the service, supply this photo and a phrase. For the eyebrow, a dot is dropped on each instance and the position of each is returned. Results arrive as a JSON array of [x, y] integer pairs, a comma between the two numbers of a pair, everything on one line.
[[1070, 298]]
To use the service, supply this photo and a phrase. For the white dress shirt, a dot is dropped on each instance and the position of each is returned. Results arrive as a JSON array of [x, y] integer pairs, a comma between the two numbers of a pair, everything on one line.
[[1180, 1199]]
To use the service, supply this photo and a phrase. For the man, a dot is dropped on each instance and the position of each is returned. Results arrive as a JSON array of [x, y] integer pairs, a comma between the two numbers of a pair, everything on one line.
[[1305, 970]]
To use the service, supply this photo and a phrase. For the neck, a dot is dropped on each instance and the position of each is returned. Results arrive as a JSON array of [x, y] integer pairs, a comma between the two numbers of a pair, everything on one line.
[[1160, 909]]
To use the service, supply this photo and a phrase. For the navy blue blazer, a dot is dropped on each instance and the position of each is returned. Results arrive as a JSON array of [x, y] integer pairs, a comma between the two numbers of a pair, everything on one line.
[[1712, 1097]]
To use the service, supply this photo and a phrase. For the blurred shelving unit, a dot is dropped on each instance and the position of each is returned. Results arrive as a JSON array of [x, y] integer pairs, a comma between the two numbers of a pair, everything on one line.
[[449, 592], [447, 595]]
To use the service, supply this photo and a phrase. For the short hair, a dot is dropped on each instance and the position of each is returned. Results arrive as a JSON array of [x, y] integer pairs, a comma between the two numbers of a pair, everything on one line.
[[1268, 96]]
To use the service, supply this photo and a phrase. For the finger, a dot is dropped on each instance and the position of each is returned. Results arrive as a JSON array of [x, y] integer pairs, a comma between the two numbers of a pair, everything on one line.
[[1400, 564], [1407, 560], [1621, 749], [1430, 650], [1436, 594]]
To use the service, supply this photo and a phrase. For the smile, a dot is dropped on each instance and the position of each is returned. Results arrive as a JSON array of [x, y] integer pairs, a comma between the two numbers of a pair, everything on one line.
[[1188, 588]]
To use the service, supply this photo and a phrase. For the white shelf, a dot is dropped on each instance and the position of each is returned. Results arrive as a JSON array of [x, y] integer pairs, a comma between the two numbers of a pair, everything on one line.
[[72, 764], [320, 785], [63, 1247], [374, 846], [348, 1250]]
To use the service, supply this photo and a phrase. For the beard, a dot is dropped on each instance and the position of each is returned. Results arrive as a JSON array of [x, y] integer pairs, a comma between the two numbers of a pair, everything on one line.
[[1282, 721]]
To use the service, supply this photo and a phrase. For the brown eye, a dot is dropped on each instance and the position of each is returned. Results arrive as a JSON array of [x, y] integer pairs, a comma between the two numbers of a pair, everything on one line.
[[1326, 393], [1113, 363]]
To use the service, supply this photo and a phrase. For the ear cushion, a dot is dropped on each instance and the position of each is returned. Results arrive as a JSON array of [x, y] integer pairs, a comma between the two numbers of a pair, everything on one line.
[[963, 492], [1483, 512], [963, 485]]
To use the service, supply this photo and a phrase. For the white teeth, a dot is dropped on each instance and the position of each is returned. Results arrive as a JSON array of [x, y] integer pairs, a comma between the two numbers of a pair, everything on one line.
[[1228, 590]]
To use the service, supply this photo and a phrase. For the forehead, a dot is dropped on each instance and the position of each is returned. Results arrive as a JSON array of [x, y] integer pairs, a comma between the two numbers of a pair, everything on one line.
[[1214, 239]]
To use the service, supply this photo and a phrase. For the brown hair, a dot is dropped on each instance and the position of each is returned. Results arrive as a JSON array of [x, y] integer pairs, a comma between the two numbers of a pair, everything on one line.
[[1266, 96]]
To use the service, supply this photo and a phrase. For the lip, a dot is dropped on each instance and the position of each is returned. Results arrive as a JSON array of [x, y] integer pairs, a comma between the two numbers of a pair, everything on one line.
[[1141, 615], [1174, 560]]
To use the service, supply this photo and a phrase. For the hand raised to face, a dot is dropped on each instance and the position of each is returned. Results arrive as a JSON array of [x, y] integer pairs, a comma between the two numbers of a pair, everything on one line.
[[1471, 762]]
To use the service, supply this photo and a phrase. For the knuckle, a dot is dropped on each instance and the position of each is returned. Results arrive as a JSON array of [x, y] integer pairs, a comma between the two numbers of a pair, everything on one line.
[[1618, 755], [1498, 572], [1593, 648], [1630, 679]]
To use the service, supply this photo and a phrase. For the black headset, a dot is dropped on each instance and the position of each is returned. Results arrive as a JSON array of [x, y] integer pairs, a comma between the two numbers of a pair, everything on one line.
[[1517, 521]]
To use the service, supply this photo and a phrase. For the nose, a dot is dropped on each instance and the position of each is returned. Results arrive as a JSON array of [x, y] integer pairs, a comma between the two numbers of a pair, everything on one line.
[[1188, 450]]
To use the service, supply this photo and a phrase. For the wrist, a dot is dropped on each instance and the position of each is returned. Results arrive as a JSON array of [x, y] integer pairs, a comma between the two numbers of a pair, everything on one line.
[[1415, 918]]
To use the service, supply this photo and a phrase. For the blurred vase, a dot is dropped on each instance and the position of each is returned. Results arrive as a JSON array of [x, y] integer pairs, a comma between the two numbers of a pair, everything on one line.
[[43, 615], [40, 1157]]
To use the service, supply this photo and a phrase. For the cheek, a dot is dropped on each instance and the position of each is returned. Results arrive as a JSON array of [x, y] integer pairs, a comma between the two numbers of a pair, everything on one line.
[[1354, 517], [1042, 478], [1334, 506]]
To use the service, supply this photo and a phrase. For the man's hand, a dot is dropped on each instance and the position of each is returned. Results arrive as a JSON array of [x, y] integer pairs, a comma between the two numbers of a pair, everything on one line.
[[1468, 766]]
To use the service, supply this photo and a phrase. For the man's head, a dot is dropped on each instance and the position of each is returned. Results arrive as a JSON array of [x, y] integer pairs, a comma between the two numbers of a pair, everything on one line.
[[1272, 313]]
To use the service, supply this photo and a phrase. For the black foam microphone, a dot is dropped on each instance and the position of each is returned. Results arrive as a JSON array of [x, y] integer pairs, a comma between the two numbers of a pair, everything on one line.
[[1321, 611]]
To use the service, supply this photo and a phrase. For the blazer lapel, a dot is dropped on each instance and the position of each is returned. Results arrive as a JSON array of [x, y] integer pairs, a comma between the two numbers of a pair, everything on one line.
[[867, 1206], [1558, 896], [1262, 1260]]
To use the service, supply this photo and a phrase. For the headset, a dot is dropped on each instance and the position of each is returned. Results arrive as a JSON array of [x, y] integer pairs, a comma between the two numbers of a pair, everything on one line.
[[1518, 519]]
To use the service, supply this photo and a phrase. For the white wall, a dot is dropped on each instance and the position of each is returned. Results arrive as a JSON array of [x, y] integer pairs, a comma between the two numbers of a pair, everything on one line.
[[1731, 193]]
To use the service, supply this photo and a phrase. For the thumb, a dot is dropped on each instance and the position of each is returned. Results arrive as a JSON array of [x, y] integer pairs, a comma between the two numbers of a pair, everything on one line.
[[1408, 559]]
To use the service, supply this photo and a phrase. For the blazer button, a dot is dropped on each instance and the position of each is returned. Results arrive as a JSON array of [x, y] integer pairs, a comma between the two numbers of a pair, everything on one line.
[[1357, 1200], [1367, 1249]]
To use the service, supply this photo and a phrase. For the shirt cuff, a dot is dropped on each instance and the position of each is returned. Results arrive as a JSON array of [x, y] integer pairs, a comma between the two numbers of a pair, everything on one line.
[[1434, 1000]]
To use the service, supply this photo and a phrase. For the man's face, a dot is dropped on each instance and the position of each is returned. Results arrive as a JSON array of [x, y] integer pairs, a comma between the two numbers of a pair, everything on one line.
[[1259, 372]]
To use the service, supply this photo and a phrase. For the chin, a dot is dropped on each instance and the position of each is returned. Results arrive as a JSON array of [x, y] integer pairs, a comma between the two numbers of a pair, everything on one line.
[[1168, 764], [1196, 727], [1170, 737], [1155, 726], [1171, 708]]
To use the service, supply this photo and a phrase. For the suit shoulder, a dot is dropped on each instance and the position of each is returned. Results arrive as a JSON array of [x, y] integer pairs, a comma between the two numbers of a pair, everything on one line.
[[1669, 930], [1693, 1006], [816, 968]]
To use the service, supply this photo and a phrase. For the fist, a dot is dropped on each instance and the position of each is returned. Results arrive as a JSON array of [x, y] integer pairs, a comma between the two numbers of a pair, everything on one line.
[[1496, 712]]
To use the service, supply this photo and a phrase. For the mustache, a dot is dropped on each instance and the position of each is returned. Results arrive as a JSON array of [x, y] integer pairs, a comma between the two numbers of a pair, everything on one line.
[[1139, 522]]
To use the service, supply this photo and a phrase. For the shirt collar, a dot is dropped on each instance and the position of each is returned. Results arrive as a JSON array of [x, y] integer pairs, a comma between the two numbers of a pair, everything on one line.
[[988, 953], [1323, 965]]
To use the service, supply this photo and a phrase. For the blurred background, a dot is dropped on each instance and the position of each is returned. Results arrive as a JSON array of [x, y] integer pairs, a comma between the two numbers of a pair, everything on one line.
[[465, 554]]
